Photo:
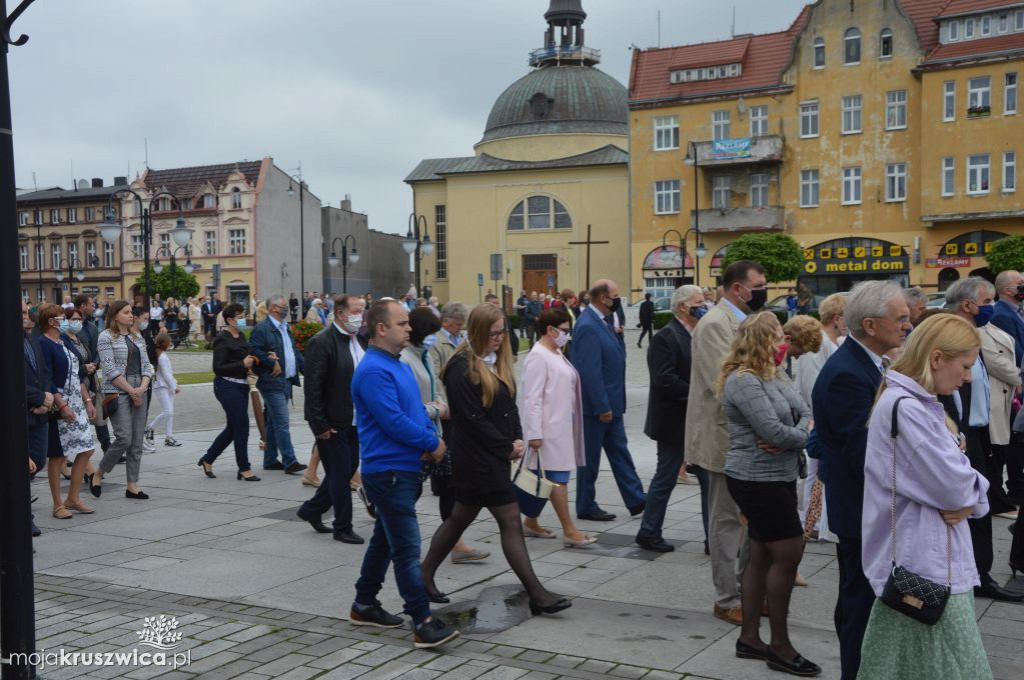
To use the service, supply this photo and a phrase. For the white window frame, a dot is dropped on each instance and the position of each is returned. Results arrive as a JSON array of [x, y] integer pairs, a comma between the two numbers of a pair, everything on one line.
[[1018, 20], [667, 194], [721, 125], [948, 185], [56, 256], [852, 35], [978, 94], [22, 218], [979, 171], [72, 215], [1010, 90], [852, 106], [952, 31], [90, 254], [165, 243], [758, 120], [721, 192], [209, 201], [136, 245], [40, 256], [852, 186], [949, 101], [810, 113], [1009, 172], [23, 256], [1004, 23], [986, 25], [818, 48], [896, 104], [73, 254], [108, 255], [886, 33], [210, 242], [37, 216], [896, 183], [237, 241], [441, 241], [666, 132], [810, 188], [54, 215], [90, 214], [760, 188], [968, 29], [236, 199]]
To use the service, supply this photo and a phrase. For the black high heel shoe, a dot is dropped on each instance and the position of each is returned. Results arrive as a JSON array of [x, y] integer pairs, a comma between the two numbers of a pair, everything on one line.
[[437, 597], [1014, 568], [208, 471], [554, 608], [250, 478]]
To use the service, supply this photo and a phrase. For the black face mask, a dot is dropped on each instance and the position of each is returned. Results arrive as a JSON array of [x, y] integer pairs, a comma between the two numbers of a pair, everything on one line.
[[616, 305], [757, 299], [1020, 293]]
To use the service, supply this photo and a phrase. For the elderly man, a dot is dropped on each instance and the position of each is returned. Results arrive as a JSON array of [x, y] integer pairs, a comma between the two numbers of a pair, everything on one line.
[[973, 299], [707, 434], [917, 302], [878, 320], [277, 372], [600, 359], [447, 340], [668, 365]]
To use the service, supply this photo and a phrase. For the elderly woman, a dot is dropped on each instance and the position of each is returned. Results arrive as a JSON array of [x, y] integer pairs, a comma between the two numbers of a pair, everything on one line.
[[918, 522], [552, 417], [768, 425]]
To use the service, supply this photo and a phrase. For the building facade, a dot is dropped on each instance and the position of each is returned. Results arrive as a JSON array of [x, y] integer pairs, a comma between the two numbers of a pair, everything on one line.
[[875, 133], [382, 267], [550, 173], [61, 252], [245, 219]]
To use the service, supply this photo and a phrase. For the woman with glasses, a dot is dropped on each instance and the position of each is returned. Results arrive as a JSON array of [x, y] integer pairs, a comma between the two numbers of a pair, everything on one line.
[[552, 416], [486, 437]]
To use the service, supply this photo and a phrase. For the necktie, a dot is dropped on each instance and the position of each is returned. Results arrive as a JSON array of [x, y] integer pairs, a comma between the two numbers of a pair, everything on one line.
[[886, 361]]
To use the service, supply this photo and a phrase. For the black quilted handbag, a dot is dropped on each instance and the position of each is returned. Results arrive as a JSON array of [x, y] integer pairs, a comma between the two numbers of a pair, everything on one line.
[[905, 591]]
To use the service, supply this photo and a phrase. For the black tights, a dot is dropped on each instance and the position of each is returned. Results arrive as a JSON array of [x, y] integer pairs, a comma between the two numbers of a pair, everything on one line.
[[770, 574], [512, 544]]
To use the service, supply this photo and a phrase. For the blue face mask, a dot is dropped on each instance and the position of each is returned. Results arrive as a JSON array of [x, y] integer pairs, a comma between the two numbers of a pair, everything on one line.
[[65, 325], [699, 311], [429, 341], [984, 315], [76, 326], [240, 324]]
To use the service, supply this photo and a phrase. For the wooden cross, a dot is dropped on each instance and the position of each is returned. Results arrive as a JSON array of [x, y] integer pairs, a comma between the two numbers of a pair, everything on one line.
[[589, 242]]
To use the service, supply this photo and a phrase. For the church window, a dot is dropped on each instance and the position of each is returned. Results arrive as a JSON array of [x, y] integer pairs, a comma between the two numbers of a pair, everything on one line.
[[515, 220], [539, 208], [539, 212]]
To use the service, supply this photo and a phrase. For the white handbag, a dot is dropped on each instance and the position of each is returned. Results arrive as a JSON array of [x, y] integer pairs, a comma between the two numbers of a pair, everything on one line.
[[531, 483]]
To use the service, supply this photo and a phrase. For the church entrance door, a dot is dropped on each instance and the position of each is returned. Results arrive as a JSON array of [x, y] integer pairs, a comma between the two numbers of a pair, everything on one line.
[[540, 273]]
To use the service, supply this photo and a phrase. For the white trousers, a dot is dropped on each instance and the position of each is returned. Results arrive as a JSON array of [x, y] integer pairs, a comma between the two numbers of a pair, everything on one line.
[[166, 398]]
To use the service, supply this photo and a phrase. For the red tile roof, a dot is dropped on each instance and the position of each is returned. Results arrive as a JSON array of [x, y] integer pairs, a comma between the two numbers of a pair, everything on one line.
[[966, 49], [764, 57], [959, 7], [923, 13], [187, 181]]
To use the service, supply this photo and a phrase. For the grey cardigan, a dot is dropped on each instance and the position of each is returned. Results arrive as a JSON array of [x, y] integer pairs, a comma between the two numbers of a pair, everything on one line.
[[114, 357], [768, 410]]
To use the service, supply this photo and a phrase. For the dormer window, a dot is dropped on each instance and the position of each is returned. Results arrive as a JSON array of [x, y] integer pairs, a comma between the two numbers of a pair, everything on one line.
[[968, 29], [953, 31], [209, 201], [705, 73], [851, 45]]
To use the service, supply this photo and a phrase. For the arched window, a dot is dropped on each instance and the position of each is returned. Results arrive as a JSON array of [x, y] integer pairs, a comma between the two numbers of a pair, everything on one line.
[[819, 53], [885, 44], [539, 212], [851, 46], [236, 198]]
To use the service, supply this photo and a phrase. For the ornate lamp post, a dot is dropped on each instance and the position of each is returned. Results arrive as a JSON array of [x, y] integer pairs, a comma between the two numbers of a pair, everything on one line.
[[189, 267], [302, 226], [74, 266], [700, 251], [413, 243], [346, 258]]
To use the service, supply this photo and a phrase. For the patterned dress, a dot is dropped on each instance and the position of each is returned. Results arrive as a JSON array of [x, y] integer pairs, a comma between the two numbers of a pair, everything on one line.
[[76, 437]]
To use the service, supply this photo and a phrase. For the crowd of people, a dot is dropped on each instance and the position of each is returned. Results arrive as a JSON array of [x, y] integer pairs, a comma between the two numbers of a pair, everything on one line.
[[880, 425]]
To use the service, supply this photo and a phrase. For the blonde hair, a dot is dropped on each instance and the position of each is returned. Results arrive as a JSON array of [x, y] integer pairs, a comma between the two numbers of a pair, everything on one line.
[[831, 307], [949, 334], [804, 333], [478, 328], [753, 349]]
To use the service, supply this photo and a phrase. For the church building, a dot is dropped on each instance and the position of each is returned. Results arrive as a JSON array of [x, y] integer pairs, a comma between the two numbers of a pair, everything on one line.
[[549, 175]]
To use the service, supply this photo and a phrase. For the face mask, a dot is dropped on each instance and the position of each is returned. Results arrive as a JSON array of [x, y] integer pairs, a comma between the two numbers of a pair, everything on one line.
[[757, 298], [353, 323], [240, 324], [1020, 293], [143, 325], [76, 326], [780, 353], [429, 341], [562, 339], [697, 312], [64, 325], [616, 304], [984, 315]]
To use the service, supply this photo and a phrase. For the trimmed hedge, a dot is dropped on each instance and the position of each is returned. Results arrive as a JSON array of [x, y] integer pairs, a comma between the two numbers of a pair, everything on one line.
[[661, 319]]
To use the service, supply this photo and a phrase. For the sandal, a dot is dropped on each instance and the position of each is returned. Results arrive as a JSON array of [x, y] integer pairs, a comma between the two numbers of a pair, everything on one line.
[[533, 533], [80, 507], [60, 512]]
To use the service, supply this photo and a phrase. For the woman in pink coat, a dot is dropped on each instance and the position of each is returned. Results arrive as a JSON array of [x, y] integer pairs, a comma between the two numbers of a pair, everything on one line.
[[551, 412]]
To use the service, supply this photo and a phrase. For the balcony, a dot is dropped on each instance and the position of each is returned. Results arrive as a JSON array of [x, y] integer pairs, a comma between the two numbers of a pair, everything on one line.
[[742, 151], [768, 218]]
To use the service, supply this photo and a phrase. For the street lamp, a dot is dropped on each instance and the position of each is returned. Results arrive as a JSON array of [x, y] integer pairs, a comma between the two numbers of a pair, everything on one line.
[[346, 258], [412, 243], [692, 159], [111, 229], [700, 251], [74, 268], [189, 267], [302, 226]]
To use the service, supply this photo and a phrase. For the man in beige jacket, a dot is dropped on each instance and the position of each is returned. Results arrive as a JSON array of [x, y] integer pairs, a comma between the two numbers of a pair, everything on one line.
[[707, 435]]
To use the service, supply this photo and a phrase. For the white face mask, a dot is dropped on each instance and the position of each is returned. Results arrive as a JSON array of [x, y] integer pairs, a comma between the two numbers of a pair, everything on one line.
[[563, 339], [353, 323]]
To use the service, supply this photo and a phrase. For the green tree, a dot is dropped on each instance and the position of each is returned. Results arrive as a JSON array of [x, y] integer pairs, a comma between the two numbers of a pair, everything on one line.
[[1006, 254], [177, 283], [779, 254]]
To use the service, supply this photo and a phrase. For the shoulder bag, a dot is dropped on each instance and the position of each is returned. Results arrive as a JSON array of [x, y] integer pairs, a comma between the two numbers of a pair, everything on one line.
[[528, 481], [905, 591]]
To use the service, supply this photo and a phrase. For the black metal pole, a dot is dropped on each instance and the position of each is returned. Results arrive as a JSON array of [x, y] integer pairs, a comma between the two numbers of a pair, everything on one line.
[[696, 214], [344, 266], [17, 605], [302, 241], [147, 234]]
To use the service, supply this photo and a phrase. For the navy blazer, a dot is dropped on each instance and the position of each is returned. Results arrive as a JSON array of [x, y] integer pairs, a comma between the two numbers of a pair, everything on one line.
[[600, 359], [37, 382], [1006, 318], [668, 365], [265, 338], [843, 396]]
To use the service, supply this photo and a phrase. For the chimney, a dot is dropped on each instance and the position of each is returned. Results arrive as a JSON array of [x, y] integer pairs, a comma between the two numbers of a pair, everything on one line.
[[97, 182], [120, 181], [346, 203]]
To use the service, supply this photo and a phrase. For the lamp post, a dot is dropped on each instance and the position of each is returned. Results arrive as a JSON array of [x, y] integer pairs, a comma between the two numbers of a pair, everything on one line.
[[346, 257], [74, 266], [412, 243], [111, 229], [302, 226], [700, 251], [692, 159], [189, 267]]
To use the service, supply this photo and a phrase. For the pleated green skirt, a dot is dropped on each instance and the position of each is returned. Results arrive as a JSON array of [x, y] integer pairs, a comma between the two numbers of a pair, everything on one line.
[[896, 647]]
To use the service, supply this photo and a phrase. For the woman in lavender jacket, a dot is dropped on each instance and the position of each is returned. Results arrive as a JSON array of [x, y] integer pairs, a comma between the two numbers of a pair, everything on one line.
[[936, 488]]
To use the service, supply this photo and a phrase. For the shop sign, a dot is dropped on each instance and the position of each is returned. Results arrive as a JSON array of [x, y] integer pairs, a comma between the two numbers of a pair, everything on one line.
[[731, 148], [667, 273], [826, 259], [942, 262], [969, 248]]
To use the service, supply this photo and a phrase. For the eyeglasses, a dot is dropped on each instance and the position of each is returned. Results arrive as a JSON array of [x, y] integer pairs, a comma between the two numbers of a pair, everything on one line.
[[498, 335], [565, 330]]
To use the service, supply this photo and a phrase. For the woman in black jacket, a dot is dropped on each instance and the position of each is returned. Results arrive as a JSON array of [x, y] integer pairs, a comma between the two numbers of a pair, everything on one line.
[[486, 437], [232, 360]]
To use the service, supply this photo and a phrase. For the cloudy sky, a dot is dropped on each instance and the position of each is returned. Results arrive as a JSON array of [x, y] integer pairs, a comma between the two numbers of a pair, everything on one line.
[[356, 91]]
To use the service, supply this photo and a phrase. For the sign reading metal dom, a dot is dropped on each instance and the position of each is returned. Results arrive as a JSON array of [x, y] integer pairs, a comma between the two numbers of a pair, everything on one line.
[[855, 256]]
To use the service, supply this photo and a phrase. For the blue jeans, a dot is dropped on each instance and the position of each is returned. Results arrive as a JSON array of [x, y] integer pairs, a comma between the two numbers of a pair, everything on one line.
[[38, 439], [670, 459], [396, 539], [234, 399], [340, 458], [611, 436], [279, 435]]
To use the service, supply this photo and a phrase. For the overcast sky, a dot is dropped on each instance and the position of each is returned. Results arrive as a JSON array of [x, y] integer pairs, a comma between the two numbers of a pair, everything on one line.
[[357, 92]]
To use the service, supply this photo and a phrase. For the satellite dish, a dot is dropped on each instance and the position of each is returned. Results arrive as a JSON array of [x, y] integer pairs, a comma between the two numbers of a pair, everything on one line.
[[83, 184]]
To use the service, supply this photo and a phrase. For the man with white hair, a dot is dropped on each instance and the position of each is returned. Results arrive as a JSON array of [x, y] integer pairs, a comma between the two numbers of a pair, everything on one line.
[[917, 302], [878, 319]]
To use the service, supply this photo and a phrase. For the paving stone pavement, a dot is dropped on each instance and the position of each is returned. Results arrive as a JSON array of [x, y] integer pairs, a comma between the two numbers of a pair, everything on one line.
[[257, 594]]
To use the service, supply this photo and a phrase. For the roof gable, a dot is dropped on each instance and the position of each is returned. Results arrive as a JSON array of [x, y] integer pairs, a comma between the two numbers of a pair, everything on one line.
[[189, 181]]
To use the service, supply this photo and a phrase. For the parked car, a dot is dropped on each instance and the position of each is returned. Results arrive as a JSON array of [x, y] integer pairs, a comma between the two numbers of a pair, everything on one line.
[[936, 301], [778, 304]]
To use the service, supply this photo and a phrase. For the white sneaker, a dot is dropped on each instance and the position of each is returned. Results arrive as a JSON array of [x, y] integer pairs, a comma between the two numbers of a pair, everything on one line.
[[148, 446]]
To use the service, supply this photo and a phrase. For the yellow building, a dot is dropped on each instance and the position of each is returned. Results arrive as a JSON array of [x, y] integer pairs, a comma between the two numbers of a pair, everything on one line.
[[838, 131], [552, 167]]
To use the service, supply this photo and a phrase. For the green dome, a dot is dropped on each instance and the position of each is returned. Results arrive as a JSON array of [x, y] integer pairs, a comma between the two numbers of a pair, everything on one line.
[[560, 100]]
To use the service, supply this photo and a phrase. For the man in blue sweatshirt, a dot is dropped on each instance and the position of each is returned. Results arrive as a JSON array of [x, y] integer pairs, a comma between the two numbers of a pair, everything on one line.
[[395, 436]]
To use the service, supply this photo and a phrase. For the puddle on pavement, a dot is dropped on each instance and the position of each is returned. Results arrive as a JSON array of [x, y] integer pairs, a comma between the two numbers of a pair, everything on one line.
[[497, 609]]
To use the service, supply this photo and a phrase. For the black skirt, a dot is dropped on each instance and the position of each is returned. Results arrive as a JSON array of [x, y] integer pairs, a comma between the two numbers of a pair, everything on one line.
[[770, 508], [481, 479]]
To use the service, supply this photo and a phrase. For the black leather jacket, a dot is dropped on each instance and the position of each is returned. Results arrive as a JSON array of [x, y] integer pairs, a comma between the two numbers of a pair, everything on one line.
[[328, 387]]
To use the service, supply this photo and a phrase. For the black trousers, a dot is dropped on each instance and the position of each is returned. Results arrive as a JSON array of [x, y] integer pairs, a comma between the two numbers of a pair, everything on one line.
[[646, 329], [853, 608], [340, 458], [1017, 546], [978, 452], [1014, 457]]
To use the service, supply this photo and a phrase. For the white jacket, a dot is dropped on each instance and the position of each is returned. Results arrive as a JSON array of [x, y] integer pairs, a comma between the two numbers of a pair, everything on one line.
[[164, 374]]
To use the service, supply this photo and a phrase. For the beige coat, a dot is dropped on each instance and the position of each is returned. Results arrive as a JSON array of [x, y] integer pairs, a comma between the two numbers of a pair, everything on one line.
[[707, 434], [1004, 379], [441, 352]]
